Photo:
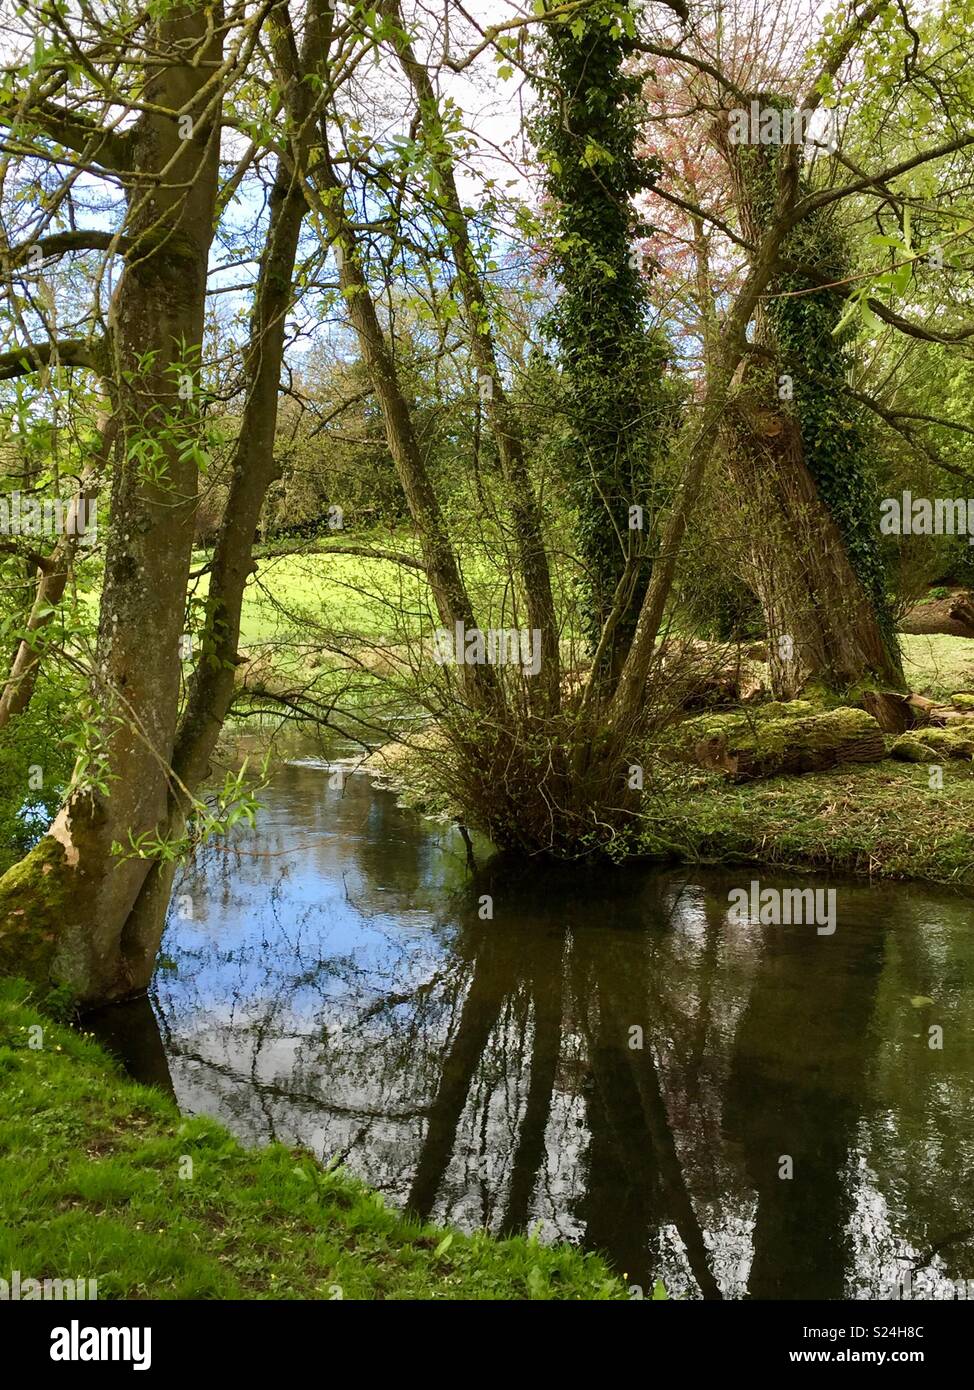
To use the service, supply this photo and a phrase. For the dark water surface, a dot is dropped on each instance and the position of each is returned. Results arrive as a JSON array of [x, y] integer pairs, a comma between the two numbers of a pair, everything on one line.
[[329, 981]]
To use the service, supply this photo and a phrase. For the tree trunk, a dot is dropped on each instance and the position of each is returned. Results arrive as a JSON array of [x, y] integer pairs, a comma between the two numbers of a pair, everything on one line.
[[820, 622], [449, 591], [506, 429], [66, 904], [253, 470]]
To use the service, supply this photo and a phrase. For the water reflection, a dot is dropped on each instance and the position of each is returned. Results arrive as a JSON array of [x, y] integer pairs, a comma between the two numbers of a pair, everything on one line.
[[606, 1058]]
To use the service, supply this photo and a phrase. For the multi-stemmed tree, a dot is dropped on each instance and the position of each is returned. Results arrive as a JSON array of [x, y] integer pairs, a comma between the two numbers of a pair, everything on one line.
[[185, 112]]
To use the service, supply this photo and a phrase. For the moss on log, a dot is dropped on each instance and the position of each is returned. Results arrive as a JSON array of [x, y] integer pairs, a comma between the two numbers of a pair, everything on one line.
[[789, 744], [934, 745]]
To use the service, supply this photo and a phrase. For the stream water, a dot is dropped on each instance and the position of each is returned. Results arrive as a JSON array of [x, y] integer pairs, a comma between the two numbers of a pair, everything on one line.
[[740, 1110]]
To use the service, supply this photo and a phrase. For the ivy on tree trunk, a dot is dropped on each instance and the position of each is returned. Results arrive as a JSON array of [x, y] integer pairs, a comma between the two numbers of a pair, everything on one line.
[[591, 115]]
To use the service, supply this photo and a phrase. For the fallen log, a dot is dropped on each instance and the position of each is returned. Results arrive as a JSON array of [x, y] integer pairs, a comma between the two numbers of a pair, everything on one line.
[[952, 616], [934, 712], [810, 743], [934, 745]]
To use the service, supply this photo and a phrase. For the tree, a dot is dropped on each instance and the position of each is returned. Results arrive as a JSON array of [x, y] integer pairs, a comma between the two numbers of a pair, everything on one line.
[[612, 364], [353, 224], [73, 887]]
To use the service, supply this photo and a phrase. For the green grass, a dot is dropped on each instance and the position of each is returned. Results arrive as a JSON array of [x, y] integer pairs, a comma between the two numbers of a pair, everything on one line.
[[368, 598], [938, 665], [90, 1187], [376, 599], [371, 600], [881, 819]]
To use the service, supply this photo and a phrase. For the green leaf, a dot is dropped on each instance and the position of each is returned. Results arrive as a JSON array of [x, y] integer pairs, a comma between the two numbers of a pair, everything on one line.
[[921, 1001], [850, 312], [900, 279], [868, 317]]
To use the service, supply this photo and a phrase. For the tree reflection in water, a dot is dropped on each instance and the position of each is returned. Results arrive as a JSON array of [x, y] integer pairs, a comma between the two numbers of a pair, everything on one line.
[[336, 987]]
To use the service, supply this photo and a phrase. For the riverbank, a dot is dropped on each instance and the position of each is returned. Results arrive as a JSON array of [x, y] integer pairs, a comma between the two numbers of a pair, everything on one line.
[[880, 820], [103, 1178], [877, 820], [886, 819]]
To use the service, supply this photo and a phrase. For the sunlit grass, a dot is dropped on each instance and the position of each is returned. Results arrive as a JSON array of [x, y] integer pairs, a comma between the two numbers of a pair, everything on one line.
[[90, 1187]]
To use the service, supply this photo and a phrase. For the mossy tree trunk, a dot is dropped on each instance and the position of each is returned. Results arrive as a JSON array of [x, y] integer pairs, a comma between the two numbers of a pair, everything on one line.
[[820, 623], [73, 894], [254, 468], [796, 452]]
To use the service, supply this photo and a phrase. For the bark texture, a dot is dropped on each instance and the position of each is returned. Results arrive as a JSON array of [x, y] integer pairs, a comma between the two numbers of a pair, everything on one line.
[[73, 894]]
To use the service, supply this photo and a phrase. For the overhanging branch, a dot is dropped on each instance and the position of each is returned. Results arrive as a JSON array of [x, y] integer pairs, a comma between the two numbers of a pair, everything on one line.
[[67, 352]]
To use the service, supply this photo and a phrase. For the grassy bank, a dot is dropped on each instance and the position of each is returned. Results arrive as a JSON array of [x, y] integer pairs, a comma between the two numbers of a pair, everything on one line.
[[886, 819], [91, 1186], [880, 819]]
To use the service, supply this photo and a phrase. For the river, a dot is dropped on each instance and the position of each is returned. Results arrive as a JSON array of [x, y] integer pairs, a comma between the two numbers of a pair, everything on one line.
[[603, 1057]]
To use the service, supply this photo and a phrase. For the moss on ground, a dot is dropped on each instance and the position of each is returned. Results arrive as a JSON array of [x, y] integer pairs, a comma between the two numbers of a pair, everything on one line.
[[90, 1187], [886, 819]]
